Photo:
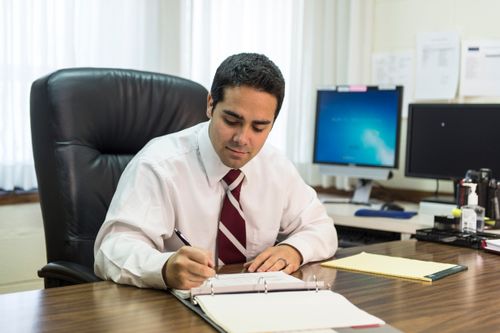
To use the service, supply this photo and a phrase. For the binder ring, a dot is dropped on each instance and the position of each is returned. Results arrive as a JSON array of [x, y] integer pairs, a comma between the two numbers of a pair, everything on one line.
[[316, 282], [211, 288], [261, 278], [265, 286]]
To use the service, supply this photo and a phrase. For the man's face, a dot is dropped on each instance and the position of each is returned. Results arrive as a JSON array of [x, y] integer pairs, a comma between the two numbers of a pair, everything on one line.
[[240, 124]]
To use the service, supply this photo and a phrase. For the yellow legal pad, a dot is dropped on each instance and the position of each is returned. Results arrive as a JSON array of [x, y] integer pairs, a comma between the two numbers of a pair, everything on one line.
[[395, 266]]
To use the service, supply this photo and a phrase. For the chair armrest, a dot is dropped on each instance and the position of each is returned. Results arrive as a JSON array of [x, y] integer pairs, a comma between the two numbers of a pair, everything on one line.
[[63, 273]]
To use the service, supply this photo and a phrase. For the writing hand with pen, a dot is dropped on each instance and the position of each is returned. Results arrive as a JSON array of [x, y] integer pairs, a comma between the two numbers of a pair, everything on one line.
[[189, 267]]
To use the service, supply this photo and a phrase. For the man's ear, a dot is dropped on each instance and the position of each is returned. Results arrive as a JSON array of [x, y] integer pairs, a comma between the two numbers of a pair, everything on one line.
[[210, 106]]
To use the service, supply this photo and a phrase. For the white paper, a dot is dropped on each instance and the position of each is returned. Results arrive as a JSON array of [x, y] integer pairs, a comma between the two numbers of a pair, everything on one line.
[[284, 311], [480, 75], [493, 244], [437, 69], [395, 68]]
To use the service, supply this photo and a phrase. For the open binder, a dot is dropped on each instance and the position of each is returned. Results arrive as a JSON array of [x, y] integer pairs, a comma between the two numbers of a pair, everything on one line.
[[272, 301], [248, 283]]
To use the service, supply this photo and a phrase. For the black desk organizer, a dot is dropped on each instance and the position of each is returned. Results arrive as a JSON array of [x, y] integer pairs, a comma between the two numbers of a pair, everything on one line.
[[454, 237]]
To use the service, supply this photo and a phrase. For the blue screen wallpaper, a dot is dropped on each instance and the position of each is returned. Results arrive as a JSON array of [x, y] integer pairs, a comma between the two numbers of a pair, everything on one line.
[[357, 128]]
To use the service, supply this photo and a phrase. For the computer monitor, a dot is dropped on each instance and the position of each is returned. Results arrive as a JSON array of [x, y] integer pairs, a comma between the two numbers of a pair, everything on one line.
[[446, 140], [357, 133]]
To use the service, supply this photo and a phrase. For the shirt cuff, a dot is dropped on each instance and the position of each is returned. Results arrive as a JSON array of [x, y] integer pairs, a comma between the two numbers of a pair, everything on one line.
[[152, 275], [301, 246]]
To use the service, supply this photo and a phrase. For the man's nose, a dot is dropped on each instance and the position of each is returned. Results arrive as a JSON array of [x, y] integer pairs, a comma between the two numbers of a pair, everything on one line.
[[242, 135]]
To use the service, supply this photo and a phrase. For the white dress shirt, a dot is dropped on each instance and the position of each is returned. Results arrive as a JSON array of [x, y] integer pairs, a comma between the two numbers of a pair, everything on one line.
[[174, 181]]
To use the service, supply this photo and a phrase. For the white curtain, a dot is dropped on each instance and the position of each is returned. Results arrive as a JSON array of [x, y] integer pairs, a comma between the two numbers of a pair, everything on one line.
[[213, 30], [314, 42], [40, 36]]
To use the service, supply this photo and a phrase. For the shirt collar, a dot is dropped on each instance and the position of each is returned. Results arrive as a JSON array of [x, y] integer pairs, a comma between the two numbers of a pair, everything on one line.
[[214, 168]]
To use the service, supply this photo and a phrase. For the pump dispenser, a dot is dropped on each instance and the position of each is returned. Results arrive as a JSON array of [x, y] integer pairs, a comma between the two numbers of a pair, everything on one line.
[[472, 214]]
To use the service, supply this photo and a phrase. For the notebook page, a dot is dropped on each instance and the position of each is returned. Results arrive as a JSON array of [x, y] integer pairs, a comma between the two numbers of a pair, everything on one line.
[[283, 311]]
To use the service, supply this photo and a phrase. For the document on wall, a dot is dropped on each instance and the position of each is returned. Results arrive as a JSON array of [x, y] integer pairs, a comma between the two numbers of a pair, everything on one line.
[[437, 68], [480, 75], [395, 68]]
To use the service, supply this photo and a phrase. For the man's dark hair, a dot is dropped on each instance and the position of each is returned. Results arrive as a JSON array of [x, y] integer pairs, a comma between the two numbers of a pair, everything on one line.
[[249, 69]]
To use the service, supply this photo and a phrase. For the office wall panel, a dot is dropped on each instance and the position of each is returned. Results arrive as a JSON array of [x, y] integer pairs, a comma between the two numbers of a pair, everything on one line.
[[396, 24]]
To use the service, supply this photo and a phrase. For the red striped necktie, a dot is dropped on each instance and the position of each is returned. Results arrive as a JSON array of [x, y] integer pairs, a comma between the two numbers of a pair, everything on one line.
[[231, 237]]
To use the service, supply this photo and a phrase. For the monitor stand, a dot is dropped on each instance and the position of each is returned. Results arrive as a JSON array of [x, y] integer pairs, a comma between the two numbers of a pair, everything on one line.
[[362, 192], [365, 176]]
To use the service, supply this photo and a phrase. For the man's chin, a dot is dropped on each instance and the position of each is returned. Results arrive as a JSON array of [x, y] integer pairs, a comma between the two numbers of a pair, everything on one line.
[[234, 163]]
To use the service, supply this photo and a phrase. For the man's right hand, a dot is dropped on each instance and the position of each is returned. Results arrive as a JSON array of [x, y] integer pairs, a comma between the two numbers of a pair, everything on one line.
[[188, 268]]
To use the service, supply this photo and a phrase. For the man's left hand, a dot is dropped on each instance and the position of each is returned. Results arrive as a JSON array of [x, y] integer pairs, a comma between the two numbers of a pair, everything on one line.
[[277, 258]]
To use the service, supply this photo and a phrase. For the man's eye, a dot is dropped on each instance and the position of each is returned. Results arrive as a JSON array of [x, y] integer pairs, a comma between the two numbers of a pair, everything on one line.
[[230, 122], [258, 129]]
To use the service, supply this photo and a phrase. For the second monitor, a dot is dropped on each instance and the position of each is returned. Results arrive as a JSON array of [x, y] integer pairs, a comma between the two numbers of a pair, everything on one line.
[[446, 140]]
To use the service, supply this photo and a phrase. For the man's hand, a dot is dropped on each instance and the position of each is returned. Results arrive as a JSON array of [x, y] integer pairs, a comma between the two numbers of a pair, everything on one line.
[[188, 268], [277, 258]]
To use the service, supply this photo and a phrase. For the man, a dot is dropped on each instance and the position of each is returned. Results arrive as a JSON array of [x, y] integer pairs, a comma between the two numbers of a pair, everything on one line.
[[227, 196]]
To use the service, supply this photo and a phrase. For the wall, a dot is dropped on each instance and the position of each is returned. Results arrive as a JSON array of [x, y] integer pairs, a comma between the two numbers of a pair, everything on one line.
[[22, 247], [395, 27]]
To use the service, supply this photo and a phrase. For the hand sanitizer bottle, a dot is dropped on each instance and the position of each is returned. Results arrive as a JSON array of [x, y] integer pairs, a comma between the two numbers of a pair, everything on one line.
[[472, 214]]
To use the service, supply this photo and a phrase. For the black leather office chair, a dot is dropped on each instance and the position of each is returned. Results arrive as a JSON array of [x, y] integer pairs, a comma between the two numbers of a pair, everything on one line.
[[87, 124]]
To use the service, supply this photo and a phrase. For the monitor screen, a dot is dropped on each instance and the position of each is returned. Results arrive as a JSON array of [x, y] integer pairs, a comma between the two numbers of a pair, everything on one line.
[[446, 140], [358, 127], [357, 134]]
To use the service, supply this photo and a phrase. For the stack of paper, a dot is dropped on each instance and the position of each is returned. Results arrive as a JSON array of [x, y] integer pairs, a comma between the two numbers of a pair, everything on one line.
[[492, 245]]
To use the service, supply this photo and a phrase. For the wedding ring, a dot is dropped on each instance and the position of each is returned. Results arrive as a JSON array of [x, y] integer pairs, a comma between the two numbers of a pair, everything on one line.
[[284, 261]]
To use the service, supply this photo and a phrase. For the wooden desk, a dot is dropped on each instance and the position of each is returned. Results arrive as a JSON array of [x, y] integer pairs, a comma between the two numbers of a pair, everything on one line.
[[464, 302]]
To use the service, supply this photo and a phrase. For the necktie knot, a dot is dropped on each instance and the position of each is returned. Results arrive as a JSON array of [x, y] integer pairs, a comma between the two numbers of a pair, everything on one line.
[[234, 180], [231, 176]]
